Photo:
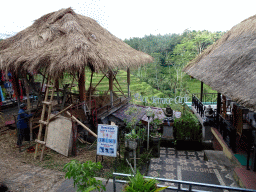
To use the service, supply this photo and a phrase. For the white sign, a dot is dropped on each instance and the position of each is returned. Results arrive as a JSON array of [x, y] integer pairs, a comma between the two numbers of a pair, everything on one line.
[[177, 114], [159, 100], [107, 140]]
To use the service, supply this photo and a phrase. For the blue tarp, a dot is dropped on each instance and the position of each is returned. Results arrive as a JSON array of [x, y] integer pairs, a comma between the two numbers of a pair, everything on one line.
[[1, 94]]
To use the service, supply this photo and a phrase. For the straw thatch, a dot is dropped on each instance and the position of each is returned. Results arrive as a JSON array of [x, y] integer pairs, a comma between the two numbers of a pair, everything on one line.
[[65, 41], [229, 65]]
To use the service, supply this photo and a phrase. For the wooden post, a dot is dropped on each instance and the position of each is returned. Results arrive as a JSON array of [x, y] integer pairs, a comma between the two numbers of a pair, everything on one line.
[[29, 107], [218, 105], [57, 90], [16, 88], [81, 86], [111, 87], [202, 91], [90, 93], [128, 81], [224, 106]]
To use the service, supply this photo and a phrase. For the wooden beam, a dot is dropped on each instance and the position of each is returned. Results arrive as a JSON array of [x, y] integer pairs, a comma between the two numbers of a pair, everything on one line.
[[80, 123], [120, 88], [111, 87]]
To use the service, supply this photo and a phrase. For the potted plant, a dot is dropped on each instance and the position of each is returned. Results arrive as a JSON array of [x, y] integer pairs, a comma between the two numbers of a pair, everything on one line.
[[131, 140], [138, 183]]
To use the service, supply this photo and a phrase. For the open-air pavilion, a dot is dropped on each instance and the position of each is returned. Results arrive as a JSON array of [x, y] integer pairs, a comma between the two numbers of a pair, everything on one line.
[[64, 42], [229, 67]]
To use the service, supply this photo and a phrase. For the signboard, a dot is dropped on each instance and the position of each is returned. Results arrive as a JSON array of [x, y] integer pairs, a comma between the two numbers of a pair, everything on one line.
[[107, 140], [158, 100], [177, 114]]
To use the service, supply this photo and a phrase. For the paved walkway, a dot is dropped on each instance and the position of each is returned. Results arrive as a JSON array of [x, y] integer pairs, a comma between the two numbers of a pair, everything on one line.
[[172, 164], [190, 166]]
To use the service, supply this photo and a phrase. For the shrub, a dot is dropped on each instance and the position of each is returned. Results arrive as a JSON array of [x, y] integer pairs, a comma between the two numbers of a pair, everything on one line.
[[187, 128], [139, 184], [83, 175]]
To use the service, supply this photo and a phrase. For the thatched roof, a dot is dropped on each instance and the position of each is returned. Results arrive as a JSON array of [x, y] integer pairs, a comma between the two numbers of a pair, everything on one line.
[[65, 41], [229, 65]]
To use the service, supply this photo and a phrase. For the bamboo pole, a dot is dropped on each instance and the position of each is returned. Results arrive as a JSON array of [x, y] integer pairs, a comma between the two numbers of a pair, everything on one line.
[[80, 123], [111, 87], [42, 118]]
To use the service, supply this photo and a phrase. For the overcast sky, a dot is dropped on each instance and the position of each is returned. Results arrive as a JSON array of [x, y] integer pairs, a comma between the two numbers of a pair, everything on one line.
[[134, 18]]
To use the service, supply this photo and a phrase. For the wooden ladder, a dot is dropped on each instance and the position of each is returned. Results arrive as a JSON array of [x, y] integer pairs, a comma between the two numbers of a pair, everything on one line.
[[49, 88]]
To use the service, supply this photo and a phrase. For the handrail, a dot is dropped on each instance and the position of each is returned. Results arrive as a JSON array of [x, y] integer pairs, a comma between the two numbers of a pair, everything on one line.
[[207, 97], [198, 105], [180, 182], [227, 131]]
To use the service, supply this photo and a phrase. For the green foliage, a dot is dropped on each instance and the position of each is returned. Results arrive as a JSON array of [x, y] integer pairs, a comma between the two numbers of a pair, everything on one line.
[[83, 175], [131, 135], [139, 184], [187, 127], [171, 53]]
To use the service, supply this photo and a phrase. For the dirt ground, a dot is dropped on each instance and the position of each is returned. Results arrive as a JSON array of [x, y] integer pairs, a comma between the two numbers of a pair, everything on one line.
[[20, 171]]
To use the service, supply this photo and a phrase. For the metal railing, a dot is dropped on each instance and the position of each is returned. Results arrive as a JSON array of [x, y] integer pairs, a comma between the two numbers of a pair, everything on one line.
[[208, 98], [199, 106], [227, 131], [179, 184]]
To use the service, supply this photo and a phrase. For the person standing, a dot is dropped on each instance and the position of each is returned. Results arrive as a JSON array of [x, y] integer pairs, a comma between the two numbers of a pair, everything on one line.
[[22, 123]]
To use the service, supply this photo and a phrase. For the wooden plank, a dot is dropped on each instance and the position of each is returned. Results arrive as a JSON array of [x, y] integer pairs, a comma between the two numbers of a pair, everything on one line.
[[59, 135]]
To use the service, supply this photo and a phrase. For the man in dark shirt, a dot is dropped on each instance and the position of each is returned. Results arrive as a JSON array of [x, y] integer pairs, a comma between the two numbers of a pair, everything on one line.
[[22, 123]]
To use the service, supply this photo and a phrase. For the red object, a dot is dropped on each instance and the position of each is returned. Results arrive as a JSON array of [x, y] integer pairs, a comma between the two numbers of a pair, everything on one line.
[[21, 92], [9, 122]]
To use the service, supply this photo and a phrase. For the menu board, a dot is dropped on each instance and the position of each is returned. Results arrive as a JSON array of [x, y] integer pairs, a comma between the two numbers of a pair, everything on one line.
[[107, 140]]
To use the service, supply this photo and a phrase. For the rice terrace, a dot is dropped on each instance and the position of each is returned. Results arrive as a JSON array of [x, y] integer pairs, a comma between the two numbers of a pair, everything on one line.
[[83, 110]]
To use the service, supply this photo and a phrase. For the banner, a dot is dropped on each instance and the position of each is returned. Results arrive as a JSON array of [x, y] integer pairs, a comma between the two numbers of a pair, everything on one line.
[[158, 100], [107, 140]]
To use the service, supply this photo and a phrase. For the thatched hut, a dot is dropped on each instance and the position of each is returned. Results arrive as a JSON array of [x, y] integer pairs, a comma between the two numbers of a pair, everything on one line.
[[229, 65], [64, 41]]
